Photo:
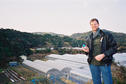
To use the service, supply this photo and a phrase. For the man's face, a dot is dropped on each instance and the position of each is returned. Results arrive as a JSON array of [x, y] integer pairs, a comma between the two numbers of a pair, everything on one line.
[[94, 25]]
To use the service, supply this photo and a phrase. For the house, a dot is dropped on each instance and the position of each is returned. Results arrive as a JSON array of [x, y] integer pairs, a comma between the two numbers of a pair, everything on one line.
[[23, 57], [13, 63]]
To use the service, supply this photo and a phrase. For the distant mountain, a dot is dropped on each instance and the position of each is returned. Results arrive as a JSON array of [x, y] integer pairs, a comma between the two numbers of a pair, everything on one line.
[[51, 33], [81, 36]]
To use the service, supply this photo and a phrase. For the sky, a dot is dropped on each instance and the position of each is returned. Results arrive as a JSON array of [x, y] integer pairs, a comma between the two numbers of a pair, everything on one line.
[[62, 16]]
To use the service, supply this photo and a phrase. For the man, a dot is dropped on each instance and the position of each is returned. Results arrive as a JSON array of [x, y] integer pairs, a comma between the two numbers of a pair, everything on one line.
[[100, 46]]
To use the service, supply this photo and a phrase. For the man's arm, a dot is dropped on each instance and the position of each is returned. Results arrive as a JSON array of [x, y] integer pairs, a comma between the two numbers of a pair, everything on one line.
[[112, 46]]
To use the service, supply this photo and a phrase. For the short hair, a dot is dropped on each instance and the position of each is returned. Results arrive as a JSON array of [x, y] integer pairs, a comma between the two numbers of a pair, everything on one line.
[[94, 19]]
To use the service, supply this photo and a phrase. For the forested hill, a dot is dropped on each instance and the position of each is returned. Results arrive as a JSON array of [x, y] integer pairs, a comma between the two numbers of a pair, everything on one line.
[[51, 33], [14, 43], [119, 37]]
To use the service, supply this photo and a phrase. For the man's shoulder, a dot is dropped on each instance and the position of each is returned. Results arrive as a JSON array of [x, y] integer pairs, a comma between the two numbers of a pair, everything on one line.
[[88, 36], [106, 32]]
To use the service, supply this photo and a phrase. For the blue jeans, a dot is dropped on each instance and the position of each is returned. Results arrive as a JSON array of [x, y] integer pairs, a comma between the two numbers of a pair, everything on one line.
[[97, 71]]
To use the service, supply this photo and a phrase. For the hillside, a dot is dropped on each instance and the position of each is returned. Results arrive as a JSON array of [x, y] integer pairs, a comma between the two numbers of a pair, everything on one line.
[[14, 43], [51, 33]]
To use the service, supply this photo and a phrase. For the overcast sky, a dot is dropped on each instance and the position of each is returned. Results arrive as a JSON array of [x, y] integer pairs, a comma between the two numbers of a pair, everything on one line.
[[62, 16]]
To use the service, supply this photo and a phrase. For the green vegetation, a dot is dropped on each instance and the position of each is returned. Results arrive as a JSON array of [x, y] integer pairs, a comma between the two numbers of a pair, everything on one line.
[[15, 43], [1, 70], [68, 51]]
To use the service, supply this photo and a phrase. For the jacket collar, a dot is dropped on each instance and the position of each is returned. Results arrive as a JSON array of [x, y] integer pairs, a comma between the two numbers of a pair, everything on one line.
[[95, 34], [101, 34]]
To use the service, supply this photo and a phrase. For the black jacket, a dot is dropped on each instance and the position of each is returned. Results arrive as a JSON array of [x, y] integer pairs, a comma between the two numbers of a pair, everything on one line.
[[108, 47]]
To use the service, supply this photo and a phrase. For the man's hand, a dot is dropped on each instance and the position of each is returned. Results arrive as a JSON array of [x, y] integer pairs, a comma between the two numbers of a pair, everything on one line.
[[85, 49], [99, 57]]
